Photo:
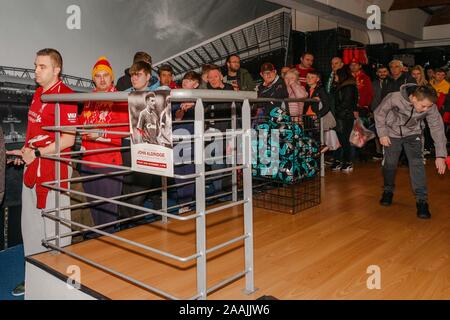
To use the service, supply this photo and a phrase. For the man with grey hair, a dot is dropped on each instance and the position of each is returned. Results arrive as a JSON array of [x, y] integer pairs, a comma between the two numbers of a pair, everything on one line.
[[336, 64], [398, 77]]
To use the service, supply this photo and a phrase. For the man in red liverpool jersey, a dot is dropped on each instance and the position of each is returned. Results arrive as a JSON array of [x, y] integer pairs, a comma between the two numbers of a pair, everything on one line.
[[103, 113], [39, 142]]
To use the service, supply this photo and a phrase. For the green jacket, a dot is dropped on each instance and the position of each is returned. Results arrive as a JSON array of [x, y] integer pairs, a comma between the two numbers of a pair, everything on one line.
[[245, 80]]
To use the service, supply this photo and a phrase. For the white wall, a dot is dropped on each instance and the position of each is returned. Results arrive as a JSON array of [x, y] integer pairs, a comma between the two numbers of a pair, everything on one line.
[[409, 21], [436, 32], [308, 23]]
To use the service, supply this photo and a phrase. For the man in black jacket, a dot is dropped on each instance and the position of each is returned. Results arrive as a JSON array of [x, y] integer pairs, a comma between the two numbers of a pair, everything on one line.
[[398, 77], [217, 147], [272, 87], [381, 88], [346, 102]]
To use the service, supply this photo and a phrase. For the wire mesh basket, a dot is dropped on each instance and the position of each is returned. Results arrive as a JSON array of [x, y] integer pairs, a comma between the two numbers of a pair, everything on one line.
[[286, 162]]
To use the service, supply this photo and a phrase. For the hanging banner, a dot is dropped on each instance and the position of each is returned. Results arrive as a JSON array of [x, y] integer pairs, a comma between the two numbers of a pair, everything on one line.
[[151, 132]]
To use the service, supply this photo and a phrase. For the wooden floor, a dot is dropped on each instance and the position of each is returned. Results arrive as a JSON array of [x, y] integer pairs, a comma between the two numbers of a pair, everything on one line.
[[321, 253]]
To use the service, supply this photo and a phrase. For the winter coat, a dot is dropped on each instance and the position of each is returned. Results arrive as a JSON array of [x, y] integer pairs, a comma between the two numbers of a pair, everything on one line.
[[396, 117], [320, 93], [380, 91], [346, 100], [276, 90], [245, 80], [219, 110], [296, 91], [322, 109], [365, 89], [405, 78]]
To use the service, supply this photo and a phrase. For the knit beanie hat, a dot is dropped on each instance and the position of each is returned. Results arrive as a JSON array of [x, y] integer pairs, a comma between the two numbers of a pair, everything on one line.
[[102, 64]]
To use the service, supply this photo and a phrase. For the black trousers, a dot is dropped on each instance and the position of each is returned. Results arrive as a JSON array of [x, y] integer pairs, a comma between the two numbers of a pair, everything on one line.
[[343, 129], [413, 150]]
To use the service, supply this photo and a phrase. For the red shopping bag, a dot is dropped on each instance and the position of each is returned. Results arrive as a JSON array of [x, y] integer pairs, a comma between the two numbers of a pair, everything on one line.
[[360, 134], [446, 117]]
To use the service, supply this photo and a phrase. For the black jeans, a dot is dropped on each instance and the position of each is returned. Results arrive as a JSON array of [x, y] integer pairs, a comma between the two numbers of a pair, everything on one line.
[[343, 129], [413, 150]]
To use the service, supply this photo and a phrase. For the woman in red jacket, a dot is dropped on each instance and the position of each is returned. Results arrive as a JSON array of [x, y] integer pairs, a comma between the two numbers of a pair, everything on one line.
[[103, 112]]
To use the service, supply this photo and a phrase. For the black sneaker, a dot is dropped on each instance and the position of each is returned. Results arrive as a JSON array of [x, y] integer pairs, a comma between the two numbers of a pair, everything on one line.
[[422, 210], [19, 290], [337, 166], [386, 199], [377, 157], [348, 167]]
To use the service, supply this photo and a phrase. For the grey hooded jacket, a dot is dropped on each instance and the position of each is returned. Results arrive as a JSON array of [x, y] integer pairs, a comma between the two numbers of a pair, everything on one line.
[[396, 117]]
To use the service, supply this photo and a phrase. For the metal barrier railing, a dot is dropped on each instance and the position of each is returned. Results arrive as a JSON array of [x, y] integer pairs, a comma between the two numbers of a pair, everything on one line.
[[201, 176]]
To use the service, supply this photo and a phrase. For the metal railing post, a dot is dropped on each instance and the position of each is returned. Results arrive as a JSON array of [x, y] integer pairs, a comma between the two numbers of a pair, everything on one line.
[[233, 151], [57, 175], [248, 197], [200, 192], [164, 199]]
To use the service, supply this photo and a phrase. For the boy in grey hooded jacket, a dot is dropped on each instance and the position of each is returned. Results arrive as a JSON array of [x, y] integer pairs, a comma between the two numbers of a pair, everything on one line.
[[399, 123]]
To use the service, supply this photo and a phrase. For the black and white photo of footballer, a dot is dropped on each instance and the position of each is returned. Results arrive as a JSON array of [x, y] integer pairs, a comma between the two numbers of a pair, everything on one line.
[[151, 120]]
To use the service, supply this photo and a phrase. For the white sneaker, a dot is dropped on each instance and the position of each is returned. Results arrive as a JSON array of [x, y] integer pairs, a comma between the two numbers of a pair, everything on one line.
[[184, 210], [348, 167]]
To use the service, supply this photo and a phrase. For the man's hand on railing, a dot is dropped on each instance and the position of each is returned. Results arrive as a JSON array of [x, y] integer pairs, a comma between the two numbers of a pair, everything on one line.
[[185, 106], [14, 157]]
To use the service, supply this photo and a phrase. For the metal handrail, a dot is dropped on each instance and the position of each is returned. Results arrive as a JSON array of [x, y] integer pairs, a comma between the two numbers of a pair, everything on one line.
[[134, 243], [111, 271], [176, 95], [79, 205], [200, 176]]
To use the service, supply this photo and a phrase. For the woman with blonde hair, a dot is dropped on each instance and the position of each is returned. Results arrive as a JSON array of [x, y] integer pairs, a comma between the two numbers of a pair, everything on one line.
[[296, 91], [418, 73]]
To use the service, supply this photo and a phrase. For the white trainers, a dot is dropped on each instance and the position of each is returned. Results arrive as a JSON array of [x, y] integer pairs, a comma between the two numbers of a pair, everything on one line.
[[348, 167]]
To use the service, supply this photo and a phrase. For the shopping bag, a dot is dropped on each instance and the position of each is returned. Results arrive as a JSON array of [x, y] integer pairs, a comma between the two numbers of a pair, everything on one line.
[[331, 140], [446, 117], [360, 134]]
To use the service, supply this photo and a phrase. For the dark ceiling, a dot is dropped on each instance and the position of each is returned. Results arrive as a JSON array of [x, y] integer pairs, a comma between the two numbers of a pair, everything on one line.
[[439, 10]]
